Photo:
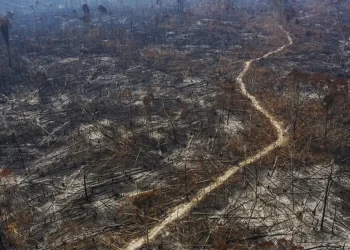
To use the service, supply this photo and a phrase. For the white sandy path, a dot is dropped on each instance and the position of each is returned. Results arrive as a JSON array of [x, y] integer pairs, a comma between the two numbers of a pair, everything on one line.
[[181, 210]]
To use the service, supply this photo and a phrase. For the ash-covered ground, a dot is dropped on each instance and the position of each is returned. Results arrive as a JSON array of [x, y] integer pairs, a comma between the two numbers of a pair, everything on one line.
[[108, 123]]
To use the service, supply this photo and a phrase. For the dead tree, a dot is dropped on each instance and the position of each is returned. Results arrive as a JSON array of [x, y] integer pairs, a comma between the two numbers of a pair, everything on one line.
[[326, 194], [327, 101], [85, 189], [2, 247], [180, 6], [102, 9], [5, 27], [86, 17], [279, 6]]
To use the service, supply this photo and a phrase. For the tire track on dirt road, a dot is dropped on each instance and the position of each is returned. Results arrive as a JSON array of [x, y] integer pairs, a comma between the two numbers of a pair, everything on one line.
[[181, 210]]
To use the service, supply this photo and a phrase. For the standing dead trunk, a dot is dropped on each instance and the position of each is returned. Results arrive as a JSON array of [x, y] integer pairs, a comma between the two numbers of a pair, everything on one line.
[[5, 27], [2, 247], [180, 6], [14, 140], [327, 102], [326, 193], [335, 214], [85, 189], [325, 130], [186, 187]]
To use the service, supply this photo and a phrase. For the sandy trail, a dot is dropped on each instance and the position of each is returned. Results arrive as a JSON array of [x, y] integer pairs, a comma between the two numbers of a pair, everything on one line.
[[181, 210]]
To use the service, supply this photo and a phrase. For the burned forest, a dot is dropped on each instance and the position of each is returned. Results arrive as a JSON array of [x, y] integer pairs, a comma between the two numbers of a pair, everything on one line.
[[175, 124]]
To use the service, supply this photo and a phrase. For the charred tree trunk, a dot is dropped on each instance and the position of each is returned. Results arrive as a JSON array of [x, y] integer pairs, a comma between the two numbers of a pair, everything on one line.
[[85, 189], [326, 129], [2, 247], [326, 193], [14, 140], [5, 30], [180, 6]]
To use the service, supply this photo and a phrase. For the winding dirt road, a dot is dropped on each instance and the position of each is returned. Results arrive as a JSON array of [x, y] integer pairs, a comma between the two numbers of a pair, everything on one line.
[[181, 210]]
